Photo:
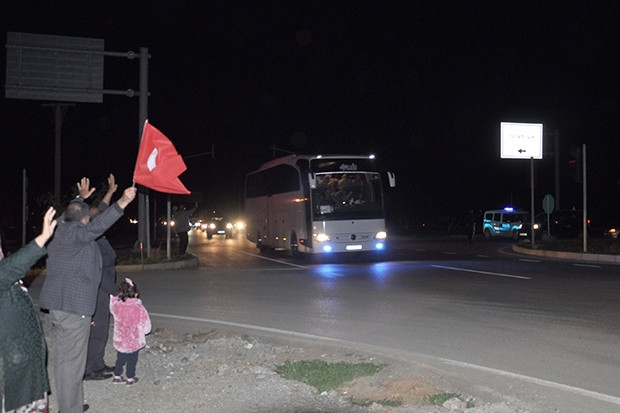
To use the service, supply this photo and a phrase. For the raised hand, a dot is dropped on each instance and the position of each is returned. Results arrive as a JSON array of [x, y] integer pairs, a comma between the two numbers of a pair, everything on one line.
[[112, 186], [128, 195], [84, 189], [49, 225]]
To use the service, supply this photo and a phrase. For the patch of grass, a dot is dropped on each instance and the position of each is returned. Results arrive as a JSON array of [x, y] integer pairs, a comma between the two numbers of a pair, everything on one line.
[[440, 398], [390, 403], [383, 402], [324, 376]]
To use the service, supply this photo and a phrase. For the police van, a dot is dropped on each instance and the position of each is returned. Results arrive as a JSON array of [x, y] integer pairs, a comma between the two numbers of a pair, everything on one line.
[[507, 222]]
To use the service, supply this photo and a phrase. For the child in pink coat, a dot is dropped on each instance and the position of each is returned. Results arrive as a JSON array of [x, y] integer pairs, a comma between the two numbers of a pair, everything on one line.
[[131, 325]]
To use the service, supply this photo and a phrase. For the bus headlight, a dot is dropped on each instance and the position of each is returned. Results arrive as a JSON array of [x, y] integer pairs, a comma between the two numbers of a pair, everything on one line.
[[322, 237], [381, 235]]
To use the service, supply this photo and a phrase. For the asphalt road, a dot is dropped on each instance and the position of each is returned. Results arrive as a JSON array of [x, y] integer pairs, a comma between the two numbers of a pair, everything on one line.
[[545, 329]]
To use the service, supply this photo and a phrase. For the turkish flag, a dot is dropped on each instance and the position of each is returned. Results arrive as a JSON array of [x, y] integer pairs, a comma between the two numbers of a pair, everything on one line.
[[159, 165]]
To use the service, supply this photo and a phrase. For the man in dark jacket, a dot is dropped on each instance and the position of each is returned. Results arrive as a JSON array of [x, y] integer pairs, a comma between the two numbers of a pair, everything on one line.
[[70, 291], [96, 369], [182, 226]]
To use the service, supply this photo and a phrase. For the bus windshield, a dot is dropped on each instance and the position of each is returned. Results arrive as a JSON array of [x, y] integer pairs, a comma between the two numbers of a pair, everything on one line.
[[343, 195]]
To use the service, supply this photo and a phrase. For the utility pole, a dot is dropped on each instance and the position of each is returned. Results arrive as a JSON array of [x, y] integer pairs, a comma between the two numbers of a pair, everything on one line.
[[585, 198], [60, 109], [557, 169]]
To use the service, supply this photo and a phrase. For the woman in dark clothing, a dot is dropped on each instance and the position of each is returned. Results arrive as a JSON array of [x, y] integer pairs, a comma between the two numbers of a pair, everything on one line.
[[23, 374]]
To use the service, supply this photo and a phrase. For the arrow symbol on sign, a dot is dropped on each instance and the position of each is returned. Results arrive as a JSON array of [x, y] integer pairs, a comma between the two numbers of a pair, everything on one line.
[[521, 150]]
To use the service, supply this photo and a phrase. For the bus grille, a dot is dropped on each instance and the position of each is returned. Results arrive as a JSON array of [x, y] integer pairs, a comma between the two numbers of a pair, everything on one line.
[[352, 237]]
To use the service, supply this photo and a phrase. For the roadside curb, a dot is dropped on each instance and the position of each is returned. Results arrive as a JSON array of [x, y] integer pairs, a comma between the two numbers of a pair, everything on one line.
[[577, 256], [172, 265]]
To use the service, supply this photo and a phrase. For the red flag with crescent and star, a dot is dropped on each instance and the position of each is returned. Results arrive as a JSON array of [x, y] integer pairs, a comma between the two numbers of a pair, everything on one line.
[[159, 165]]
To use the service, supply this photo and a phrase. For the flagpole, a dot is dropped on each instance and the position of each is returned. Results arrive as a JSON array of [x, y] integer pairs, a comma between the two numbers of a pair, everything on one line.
[[143, 213]]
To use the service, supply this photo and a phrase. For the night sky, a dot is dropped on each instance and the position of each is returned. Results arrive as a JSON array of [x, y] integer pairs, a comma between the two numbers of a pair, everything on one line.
[[422, 84]]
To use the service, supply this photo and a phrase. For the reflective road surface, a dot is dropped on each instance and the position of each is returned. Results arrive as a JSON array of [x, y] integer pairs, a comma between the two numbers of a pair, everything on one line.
[[546, 329]]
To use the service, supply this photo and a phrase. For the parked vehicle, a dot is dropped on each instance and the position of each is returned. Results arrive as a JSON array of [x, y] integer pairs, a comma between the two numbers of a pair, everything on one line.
[[567, 223], [612, 232], [506, 222]]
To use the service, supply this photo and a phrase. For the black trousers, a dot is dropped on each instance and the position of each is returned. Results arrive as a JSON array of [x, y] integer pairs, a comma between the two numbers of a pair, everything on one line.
[[130, 359], [98, 335], [183, 241]]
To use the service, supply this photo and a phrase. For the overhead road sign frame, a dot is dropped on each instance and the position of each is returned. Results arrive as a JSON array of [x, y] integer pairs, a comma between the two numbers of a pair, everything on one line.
[[54, 68]]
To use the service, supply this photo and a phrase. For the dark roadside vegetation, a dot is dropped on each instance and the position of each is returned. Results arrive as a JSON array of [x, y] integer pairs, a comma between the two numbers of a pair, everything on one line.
[[130, 256], [594, 245], [597, 243]]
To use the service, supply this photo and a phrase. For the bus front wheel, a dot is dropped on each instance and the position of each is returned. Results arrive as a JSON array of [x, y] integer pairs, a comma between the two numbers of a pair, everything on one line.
[[294, 251], [259, 243]]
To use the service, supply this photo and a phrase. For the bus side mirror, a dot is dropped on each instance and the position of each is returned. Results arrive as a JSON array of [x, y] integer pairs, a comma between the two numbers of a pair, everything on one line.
[[391, 179], [312, 180]]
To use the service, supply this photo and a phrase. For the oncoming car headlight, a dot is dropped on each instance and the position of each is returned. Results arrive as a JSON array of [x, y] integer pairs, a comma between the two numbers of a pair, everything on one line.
[[229, 226], [536, 226], [381, 235]]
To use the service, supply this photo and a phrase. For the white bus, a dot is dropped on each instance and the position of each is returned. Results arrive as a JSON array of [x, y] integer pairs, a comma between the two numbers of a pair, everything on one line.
[[316, 204]]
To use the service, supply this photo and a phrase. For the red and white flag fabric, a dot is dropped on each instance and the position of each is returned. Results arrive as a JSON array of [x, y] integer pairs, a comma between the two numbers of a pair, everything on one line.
[[159, 165]]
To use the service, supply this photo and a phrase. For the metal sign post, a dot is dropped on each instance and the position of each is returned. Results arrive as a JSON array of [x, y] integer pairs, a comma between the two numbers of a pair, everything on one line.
[[532, 203], [523, 141], [548, 207], [585, 199]]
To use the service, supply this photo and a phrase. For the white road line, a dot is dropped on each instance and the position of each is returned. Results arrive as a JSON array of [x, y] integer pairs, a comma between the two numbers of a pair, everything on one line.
[[534, 380], [587, 265], [274, 260], [482, 272], [541, 382], [528, 260], [248, 326]]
